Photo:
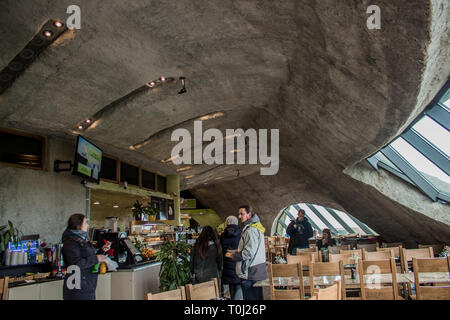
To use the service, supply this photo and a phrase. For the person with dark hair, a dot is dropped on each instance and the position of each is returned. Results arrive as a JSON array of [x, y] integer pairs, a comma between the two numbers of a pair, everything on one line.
[[206, 257], [251, 254], [77, 251], [299, 231], [326, 240], [229, 240]]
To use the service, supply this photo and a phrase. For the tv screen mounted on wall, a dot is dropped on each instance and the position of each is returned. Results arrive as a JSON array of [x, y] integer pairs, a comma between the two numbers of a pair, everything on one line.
[[88, 160]]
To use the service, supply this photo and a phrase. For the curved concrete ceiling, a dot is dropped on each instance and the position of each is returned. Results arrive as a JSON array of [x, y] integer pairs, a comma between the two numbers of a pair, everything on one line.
[[336, 90]]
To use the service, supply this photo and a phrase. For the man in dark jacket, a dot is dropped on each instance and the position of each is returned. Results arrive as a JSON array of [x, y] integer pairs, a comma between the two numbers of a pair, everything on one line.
[[300, 231], [229, 240]]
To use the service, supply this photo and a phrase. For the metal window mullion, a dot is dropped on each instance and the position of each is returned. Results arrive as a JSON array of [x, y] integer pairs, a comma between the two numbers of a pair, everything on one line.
[[399, 174], [373, 161], [315, 226], [411, 172], [286, 212], [428, 150], [440, 115], [322, 218], [361, 225], [338, 219]]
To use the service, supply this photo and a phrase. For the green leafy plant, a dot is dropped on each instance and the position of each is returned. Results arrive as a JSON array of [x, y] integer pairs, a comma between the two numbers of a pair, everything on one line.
[[139, 210], [175, 265], [8, 235]]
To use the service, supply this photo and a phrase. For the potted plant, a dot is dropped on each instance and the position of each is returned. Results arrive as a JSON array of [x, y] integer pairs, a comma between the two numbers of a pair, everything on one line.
[[152, 212], [174, 272], [6, 236], [138, 211]]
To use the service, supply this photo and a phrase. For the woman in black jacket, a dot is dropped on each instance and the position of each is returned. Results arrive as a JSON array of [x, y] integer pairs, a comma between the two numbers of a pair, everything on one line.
[[77, 251], [326, 240], [230, 241], [206, 257]]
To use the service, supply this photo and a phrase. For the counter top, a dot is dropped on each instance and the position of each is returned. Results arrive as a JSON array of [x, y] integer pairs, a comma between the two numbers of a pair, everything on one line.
[[141, 266], [27, 283]]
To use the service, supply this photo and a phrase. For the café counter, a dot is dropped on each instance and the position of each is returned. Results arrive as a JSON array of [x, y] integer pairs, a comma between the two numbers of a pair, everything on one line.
[[127, 283]]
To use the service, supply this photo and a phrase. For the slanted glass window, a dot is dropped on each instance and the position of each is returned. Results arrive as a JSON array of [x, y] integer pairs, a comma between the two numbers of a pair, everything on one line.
[[421, 155], [434, 133], [432, 173], [326, 218]]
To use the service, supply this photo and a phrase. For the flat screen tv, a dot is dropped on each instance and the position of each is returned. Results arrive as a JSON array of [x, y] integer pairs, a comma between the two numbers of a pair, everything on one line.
[[88, 160]]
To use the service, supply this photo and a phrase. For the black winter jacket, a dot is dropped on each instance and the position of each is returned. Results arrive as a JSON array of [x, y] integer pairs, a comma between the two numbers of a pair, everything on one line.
[[299, 236], [204, 269], [331, 242], [77, 251], [229, 240]]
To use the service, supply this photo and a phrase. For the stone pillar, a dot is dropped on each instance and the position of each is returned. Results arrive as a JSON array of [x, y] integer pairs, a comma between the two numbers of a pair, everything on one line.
[[173, 187]]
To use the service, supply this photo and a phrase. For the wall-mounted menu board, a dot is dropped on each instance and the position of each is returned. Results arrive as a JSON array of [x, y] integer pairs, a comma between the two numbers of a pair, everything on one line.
[[160, 205], [170, 210]]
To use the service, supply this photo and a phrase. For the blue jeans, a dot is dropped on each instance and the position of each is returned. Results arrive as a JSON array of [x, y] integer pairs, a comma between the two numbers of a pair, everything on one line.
[[249, 292], [235, 291]]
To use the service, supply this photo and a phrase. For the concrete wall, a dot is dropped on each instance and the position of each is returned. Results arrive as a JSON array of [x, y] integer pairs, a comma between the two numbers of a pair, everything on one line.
[[40, 202]]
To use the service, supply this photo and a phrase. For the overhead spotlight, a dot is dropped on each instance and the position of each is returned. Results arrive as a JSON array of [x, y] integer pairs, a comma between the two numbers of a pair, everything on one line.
[[88, 121], [58, 24], [48, 33], [163, 79], [115, 206], [152, 84], [97, 202], [183, 83], [80, 127]]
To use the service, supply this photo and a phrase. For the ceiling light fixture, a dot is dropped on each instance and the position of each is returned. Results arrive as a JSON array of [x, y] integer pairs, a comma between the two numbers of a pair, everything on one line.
[[96, 202], [189, 177], [115, 206], [184, 169], [48, 33], [211, 116], [58, 24], [163, 79], [152, 84], [88, 121], [80, 127], [183, 83]]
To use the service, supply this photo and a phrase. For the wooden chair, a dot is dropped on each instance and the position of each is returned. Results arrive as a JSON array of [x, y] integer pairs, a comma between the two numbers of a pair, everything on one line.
[[177, 294], [406, 256], [370, 247], [203, 291], [286, 270], [307, 250], [374, 291], [378, 255], [435, 291], [331, 293], [332, 269], [392, 244], [4, 288], [395, 251], [437, 248], [304, 259], [360, 252], [346, 258], [337, 249]]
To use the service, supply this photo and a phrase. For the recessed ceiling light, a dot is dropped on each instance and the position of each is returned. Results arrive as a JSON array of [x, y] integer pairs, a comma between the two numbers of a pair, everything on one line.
[[211, 116], [88, 121], [58, 24], [115, 206], [183, 169], [235, 151], [96, 202], [80, 127], [48, 33], [163, 79], [152, 84], [189, 177]]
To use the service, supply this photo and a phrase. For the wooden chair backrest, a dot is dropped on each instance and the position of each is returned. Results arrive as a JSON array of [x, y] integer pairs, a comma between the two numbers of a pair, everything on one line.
[[4, 288], [379, 255], [345, 258], [177, 294], [435, 291], [392, 244], [396, 251], [286, 270], [203, 291], [318, 269], [337, 249], [304, 259], [408, 254], [370, 247], [370, 289], [333, 292], [360, 252], [437, 248]]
